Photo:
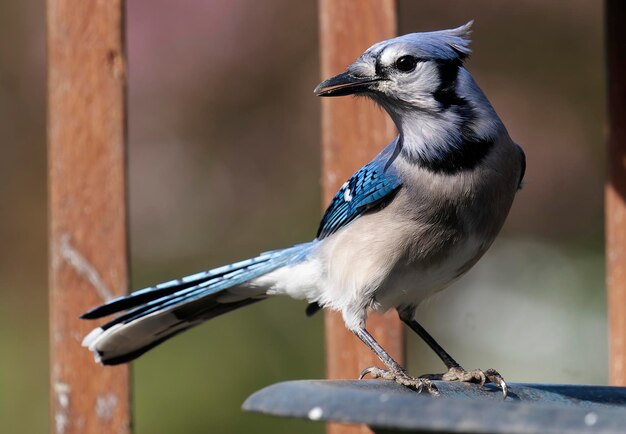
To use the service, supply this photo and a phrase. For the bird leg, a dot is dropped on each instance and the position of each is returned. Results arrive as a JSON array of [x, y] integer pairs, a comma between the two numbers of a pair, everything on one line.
[[395, 372], [455, 370]]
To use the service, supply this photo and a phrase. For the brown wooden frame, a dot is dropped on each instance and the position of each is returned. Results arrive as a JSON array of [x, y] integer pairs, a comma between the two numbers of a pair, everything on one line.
[[87, 207], [87, 193], [353, 132]]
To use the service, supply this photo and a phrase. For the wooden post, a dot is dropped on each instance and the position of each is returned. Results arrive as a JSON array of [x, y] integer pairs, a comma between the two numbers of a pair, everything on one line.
[[87, 207], [353, 132], [615, 12]]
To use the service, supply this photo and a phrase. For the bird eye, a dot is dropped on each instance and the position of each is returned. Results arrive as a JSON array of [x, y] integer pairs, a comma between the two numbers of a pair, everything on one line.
[[406, 63]]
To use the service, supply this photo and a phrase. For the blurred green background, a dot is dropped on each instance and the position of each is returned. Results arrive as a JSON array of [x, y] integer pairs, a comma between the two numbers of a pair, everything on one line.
[[224, 162]]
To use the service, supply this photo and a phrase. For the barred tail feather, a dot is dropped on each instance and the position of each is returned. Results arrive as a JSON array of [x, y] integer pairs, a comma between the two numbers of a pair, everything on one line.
[[159, 313]]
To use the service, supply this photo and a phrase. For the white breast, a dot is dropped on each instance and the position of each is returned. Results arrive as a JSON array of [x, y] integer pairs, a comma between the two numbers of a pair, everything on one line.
[[413, 284]]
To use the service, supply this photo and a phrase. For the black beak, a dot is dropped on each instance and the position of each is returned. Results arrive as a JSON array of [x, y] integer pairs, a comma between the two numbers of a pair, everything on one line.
[[344, 84]]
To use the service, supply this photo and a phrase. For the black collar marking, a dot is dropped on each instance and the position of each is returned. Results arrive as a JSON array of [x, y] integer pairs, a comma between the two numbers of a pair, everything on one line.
[[466, 157], [471, 150]]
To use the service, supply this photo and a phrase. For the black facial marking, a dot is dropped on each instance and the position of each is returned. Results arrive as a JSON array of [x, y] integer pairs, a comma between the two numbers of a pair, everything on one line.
[[403, 64], [381, 71], [466, 157], [470, 149], [446, 93]]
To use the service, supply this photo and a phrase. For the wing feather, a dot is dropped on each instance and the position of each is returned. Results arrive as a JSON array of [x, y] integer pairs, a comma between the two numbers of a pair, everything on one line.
[[368, 188]]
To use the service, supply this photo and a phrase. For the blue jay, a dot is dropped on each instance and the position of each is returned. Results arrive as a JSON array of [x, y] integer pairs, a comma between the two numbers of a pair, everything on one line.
[[403, 227]]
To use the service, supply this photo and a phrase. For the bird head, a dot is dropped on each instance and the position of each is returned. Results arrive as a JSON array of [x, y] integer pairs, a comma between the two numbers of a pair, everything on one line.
[[416, 70], [420, 80]]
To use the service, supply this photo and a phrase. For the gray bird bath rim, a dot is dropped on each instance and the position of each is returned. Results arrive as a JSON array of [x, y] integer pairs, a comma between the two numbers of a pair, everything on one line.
[[460, 408]]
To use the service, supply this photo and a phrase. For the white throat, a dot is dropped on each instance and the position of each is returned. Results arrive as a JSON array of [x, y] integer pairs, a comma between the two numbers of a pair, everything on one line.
[[432, 134], [427, 136]]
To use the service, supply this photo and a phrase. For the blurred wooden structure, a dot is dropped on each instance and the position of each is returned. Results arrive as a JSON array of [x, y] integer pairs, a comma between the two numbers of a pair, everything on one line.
[[87, 207], [353, 132], [87, 194], [615, 215]]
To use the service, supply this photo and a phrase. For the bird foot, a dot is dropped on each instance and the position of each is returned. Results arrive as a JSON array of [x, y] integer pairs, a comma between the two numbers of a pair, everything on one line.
[[401, 377], [475, 376]]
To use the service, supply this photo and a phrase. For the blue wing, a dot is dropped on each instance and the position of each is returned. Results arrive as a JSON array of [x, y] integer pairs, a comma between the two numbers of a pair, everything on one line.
[[369, 187]]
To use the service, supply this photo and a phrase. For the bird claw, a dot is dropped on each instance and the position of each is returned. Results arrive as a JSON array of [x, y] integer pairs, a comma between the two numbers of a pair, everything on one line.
[[402, 378], [477, 376]]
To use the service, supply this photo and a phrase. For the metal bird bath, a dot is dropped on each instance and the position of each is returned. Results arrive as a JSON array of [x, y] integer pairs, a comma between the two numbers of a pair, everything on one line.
[[460, 408]]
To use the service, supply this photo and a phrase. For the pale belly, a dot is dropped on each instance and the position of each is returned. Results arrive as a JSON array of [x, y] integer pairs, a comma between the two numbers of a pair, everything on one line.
[[414, 283]]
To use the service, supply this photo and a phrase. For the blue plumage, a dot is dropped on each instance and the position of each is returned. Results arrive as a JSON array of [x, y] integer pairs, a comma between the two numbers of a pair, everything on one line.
[[450, 176], [366, 189], [209, 283]]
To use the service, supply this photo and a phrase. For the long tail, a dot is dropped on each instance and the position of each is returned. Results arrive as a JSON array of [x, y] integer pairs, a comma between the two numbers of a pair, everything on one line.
[[160, 312]]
